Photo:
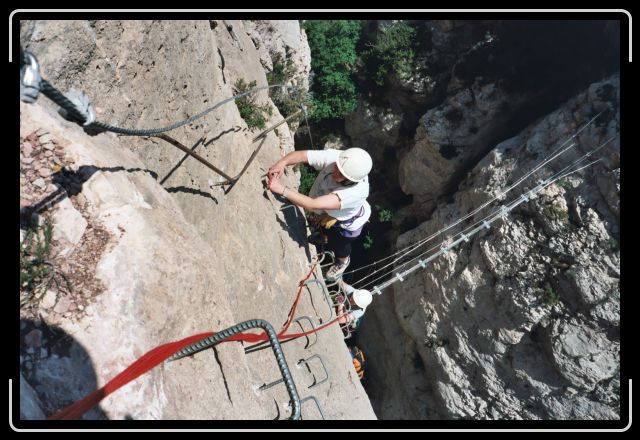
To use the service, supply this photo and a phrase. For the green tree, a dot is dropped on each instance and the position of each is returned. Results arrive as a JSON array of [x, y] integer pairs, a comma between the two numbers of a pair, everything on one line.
[[254, 115], [307, 177], [392, 52], [333, 61]]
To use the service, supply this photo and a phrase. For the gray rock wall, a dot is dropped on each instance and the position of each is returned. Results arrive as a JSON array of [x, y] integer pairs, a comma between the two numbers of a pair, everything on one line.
[[523, 321]]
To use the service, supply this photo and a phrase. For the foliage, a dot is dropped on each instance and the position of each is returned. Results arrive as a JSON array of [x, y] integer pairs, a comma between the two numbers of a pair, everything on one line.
[[307, 177], [283, 69], [550, 296], [368, 242], [392, 52], [384, 215], [333, 61], [36, 272], [564, 183], [253, 114], [554, 211], [288, 101]]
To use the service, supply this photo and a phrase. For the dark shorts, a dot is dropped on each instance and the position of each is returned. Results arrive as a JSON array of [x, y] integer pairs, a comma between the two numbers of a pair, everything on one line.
[[339, 244]]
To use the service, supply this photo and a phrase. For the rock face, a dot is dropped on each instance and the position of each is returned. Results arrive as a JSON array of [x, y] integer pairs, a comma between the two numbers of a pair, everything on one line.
[[452, 136], [157, 250], [523, 321], [472, 84], [374, 128], [286, 38]]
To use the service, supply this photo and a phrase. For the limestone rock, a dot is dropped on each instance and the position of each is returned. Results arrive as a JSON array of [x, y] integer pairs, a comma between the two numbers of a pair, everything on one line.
[[375, 129], [69, 225], [522, 321], [181, 256]]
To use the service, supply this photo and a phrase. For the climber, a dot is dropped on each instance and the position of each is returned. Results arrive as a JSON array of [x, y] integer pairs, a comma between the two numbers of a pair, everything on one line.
[[358, 300], [358, 360], [338, 198]]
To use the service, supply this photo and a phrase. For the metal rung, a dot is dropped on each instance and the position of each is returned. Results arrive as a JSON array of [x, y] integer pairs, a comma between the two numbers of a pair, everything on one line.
[[322, 255], [313, 327], [306, 362], [325, 295], [290, 206], [317, 404]]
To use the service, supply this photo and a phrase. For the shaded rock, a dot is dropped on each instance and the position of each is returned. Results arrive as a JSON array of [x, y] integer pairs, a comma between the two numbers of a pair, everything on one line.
[[33, 339], [30, 405], [375, 129]]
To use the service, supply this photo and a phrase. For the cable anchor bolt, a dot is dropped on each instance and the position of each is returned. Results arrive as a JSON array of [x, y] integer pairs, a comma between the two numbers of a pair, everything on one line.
[[30, 79], [83, 104], [505, 213]]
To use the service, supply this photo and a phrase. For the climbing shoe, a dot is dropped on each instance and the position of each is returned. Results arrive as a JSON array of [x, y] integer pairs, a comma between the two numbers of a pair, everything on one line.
[[335, 272], [318, 239]]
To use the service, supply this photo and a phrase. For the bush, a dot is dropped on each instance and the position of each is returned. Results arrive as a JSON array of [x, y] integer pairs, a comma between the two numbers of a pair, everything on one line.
[[36, 272], [392, 52], [288, 102], [368, 242], [307, 177], [384, 215], [333, 61], [550, 296], [254, 115]]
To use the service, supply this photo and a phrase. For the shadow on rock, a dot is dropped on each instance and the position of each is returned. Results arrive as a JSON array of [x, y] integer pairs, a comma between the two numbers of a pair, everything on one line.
[[295, 225], [57, 372], [69, 183]]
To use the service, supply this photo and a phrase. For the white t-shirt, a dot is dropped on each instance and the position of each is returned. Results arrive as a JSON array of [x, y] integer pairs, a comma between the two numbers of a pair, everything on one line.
[[352, 198]]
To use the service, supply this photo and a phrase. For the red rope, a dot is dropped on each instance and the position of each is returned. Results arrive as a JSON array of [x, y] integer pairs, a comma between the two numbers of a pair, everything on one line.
[[157, 355]]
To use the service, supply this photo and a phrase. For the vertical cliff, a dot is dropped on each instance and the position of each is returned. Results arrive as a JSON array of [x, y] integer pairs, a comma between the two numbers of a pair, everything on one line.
[[522, 322], [155, 248]]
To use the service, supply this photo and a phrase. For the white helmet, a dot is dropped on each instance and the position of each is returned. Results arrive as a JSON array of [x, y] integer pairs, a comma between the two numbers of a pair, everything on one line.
[[354, 164], [362, 298]]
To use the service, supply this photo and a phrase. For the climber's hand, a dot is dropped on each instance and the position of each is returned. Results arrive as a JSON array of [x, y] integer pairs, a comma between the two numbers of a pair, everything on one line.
[[276, 170], [276, 186]]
